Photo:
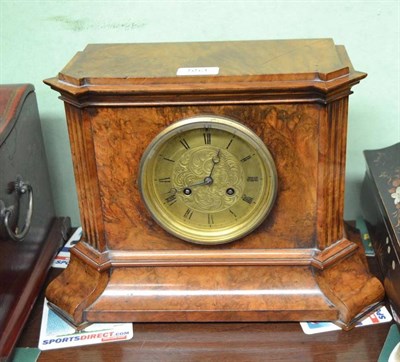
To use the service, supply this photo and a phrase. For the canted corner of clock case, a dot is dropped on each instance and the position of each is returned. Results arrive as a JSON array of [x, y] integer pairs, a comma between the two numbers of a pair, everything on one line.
[[78, 286], [349, 285]]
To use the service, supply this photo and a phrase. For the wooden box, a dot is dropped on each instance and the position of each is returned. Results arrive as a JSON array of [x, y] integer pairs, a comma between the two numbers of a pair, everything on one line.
[[381, 206], [299, 264], [31, 241]]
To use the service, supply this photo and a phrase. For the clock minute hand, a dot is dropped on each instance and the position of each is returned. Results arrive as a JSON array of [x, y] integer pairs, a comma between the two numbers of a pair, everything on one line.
[[208, 180], [214, 160]]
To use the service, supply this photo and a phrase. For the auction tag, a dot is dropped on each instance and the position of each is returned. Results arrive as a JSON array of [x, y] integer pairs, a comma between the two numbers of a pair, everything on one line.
[[198, 71]]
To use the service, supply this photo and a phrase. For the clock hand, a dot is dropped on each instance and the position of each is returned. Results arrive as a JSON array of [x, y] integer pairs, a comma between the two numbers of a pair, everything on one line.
[[214, 160], [186, 189], [207, 180], [204, 182]]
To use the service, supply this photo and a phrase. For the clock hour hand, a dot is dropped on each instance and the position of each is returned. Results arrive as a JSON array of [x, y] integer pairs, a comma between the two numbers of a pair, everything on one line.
[[187, 190]]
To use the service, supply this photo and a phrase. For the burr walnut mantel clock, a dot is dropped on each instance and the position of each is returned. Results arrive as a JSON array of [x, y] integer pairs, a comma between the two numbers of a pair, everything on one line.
[[210, 179]]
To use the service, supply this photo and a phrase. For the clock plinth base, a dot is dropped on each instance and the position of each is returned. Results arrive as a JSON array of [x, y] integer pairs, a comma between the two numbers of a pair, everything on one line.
[[342, 293]]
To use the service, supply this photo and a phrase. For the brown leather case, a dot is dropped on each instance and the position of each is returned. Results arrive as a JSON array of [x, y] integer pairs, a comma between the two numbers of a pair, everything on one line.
[[24, 189]]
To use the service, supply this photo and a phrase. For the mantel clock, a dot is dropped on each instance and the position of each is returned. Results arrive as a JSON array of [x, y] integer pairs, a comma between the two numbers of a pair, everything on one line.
[[210, 180]]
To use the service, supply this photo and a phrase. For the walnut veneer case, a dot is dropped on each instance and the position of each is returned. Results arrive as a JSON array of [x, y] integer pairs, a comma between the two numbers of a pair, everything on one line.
[[125, 102]]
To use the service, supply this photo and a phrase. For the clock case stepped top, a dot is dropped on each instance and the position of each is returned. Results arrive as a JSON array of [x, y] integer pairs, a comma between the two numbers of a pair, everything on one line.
[[308, 69]]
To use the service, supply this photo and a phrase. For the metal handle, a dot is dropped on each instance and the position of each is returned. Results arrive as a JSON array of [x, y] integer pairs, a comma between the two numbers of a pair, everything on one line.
[[21, 188]]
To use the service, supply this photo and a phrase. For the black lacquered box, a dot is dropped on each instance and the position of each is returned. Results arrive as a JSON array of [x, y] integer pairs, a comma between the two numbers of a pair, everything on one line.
[[381, 207]]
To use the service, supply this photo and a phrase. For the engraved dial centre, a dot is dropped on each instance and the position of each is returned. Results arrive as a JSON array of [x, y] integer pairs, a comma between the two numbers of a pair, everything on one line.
[[208, 195]]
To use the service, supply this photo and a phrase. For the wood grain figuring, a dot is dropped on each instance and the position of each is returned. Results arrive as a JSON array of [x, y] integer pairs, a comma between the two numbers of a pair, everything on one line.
[[349, 287], [86, 177], [122, 74], [332, 153], [128, 224], [220, 293], [298, 264], [211, 257], [124, 258], [171, 342], [269, 59], [237, 293], [342, 293], [76, 289], [340, 116]]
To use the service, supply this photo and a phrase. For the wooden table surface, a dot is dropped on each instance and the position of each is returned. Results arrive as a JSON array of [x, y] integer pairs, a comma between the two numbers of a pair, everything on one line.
[[219, 341]]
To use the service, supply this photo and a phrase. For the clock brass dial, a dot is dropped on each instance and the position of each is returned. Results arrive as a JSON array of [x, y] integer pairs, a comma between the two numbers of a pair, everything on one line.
[[208, 180]]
